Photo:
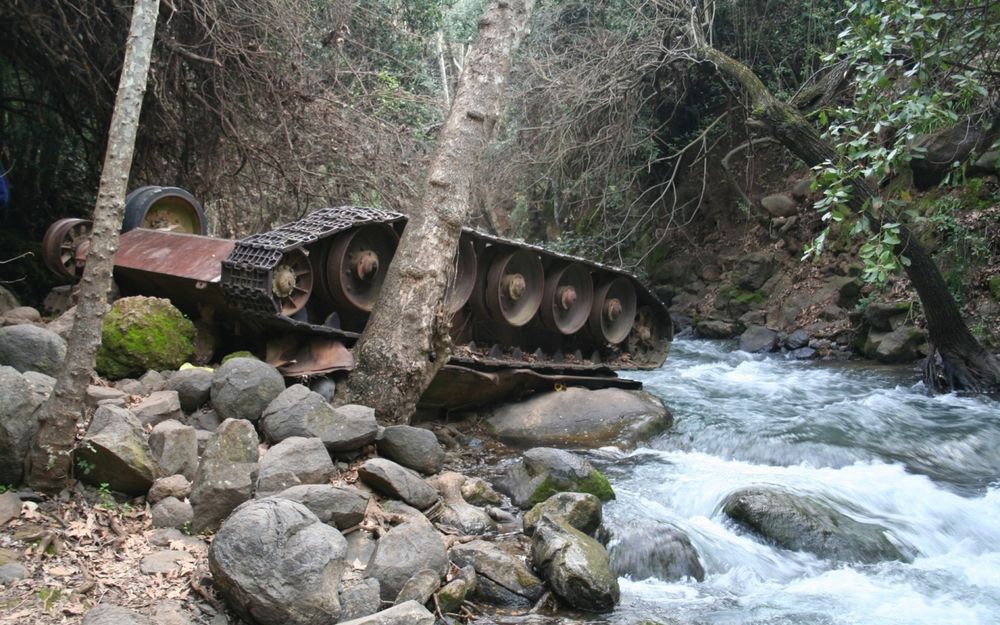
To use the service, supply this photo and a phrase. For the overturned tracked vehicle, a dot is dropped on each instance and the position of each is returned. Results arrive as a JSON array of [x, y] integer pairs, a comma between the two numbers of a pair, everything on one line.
[[523, 318]]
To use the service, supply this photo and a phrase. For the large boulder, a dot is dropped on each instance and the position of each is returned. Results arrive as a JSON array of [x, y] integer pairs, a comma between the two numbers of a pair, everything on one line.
[[276, 564], [291, 462], [143, 333], [542, 472], [579, 417], [175, 448], [575, 565], [758, 339], [31, 348], [641, 550], [340, 506], [405, 549], [193, 387], [408, 613], [114, 451], [243, 387], [501, 578], [415, 448], [398, 482], [801, 523], [298, 411], [226, 474], [18, 423]]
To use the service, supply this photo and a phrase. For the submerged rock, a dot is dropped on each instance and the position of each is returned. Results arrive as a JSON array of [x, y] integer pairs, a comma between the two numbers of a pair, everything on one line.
[[579, 417], [801, 523], [642, 550]]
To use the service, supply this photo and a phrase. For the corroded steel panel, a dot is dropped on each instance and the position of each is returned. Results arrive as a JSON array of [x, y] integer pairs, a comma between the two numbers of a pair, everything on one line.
[[187, 256]]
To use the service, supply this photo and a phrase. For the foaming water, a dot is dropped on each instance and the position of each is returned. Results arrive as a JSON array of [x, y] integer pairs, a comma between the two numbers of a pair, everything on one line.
[[863, 440]]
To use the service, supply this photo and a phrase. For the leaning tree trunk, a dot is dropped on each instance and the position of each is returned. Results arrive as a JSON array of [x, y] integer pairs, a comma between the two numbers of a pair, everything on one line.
[[50, 459], [406, 340], [966, 364]]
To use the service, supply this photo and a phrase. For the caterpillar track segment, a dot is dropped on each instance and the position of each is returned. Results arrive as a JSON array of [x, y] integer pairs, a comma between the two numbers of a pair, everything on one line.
[[523, 318]]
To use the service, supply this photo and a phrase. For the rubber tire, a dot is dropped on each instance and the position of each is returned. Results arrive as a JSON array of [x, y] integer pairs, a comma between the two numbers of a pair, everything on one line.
[[139, 201]]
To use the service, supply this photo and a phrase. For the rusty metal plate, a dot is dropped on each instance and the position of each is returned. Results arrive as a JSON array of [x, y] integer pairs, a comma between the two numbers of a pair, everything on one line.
[[187, 256], [301, 355], [457, 387]]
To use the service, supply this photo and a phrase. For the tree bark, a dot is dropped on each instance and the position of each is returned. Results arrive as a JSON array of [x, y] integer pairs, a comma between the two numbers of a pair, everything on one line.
[[965, 364], [406, 341], [50, 459]]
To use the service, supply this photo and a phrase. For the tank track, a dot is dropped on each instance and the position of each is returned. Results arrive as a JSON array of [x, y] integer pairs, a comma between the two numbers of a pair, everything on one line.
[[249, 272]]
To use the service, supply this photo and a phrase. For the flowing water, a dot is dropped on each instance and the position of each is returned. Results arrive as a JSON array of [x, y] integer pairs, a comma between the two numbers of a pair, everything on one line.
[[863, 439]]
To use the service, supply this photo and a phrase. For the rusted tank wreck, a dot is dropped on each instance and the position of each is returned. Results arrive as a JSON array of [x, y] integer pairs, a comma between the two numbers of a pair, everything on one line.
[[523, 318]]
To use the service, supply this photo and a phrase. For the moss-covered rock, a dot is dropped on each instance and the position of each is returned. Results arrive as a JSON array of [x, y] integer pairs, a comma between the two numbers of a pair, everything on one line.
[[542, 472], [143, 333]]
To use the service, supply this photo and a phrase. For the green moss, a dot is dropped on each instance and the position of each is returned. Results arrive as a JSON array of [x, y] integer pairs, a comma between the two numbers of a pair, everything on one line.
[[741, 296], [142, 333], [995, 287], [595, 484]]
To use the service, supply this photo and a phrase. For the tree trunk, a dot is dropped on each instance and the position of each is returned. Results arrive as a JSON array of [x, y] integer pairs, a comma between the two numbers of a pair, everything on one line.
[[965, 364], [50, 459], [406, 340]]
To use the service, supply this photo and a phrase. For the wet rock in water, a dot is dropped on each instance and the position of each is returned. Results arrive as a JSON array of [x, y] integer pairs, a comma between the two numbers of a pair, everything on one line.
[[797, 339], [714, 329], [193, 387], [243, 387], [107, 614], [175, 448], [402, 551], [502, 578], [581, 510], [899, 346], [276, 563], [409, 613], [802, 353], [31, 348], [340, 506], [758, 339], [800, 523], [414, 448], [420, 587], [226, 474], [114, 451], [396, 481], [143, 333], [642, 550], [579, 417], [542, 472], [18, 424], [291, 462], [576, 566]]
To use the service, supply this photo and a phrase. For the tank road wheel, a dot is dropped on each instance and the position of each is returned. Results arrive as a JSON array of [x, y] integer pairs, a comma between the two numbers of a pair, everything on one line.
[[613, 312], [514, 285], [568, 298], [292, 282], [356, 265], [164, 208], [463, 281], [65, 246]]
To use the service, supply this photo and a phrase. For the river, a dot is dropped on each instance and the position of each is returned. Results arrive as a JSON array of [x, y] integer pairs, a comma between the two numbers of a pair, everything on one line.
[[862, 438]]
